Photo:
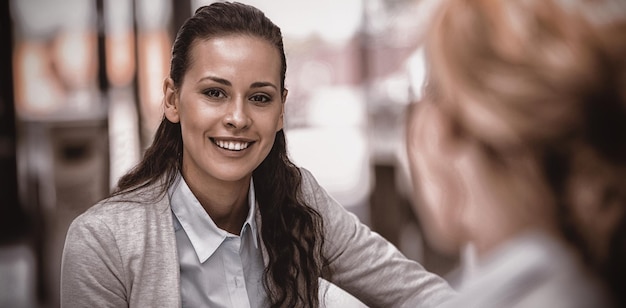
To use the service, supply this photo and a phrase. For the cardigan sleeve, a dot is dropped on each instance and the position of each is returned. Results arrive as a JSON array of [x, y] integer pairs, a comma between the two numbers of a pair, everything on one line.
[[366, 265], [91, 268]]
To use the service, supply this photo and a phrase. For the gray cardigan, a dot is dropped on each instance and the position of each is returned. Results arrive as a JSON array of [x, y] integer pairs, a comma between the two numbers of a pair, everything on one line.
[[123, 254]]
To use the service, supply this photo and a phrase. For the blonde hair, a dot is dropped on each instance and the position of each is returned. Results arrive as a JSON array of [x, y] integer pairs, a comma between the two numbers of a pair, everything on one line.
[[547, 79]]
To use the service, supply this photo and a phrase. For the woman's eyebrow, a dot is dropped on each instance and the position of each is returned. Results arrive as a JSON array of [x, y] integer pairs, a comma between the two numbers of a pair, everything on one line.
[[216, 79], [261, 84], [258, 84]]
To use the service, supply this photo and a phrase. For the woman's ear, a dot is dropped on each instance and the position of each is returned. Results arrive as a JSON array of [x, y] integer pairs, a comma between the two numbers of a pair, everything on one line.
[[281, 120], [170, 101]]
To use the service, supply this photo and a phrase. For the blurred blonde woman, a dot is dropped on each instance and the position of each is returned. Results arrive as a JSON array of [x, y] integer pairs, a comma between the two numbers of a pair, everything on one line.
[[519, 147]]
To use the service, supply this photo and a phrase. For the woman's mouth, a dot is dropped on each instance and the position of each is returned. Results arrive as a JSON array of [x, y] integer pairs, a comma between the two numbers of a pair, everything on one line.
[[231, 145]]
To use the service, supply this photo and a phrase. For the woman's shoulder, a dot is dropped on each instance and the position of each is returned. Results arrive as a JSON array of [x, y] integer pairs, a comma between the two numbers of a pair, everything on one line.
[[533, 269], [310, 189], [123, 227], [315, 195], [127, 209], [309, 184]]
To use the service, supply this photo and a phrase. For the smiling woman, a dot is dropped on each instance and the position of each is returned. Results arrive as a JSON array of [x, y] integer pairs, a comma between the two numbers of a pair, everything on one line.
[[215, 214]]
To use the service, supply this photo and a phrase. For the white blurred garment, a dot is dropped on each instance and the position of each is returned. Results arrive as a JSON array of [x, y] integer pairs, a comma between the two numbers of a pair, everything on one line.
[[532, 270]]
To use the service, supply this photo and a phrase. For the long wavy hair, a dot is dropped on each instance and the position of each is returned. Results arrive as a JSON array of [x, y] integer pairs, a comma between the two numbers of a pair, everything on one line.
[[549, 79], [291, 231]]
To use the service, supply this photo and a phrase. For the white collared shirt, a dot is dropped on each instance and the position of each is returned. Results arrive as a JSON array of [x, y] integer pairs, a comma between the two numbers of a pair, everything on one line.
[[217, 268]]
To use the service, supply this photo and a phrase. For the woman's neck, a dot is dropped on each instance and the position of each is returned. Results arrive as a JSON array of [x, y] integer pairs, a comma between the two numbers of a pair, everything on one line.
[[225, 202]]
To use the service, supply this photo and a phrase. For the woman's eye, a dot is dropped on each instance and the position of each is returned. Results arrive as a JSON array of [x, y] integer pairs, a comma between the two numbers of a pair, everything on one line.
[[215, 93], [260, 98]]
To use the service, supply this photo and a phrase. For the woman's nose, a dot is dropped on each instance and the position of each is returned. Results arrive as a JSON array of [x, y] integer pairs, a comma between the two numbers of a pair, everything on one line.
[[237, 115]]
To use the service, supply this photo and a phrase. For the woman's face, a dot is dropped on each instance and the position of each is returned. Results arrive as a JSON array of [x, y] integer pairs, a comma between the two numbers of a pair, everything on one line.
[[229, 105]]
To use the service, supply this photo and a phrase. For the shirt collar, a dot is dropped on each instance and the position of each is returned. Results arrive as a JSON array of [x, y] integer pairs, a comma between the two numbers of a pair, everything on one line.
[[205, 236]]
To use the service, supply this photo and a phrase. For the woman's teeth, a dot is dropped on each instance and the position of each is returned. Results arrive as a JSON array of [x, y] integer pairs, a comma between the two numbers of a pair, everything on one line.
[[232, 145]]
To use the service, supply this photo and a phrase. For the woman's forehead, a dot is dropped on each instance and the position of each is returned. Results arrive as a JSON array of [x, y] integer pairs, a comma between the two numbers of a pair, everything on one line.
[[233, 55]]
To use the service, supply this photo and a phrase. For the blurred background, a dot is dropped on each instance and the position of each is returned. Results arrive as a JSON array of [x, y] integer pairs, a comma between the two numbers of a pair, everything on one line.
[[80, 98]]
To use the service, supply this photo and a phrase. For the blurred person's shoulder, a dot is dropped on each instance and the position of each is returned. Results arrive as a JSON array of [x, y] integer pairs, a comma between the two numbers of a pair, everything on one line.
[[532, 270]]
